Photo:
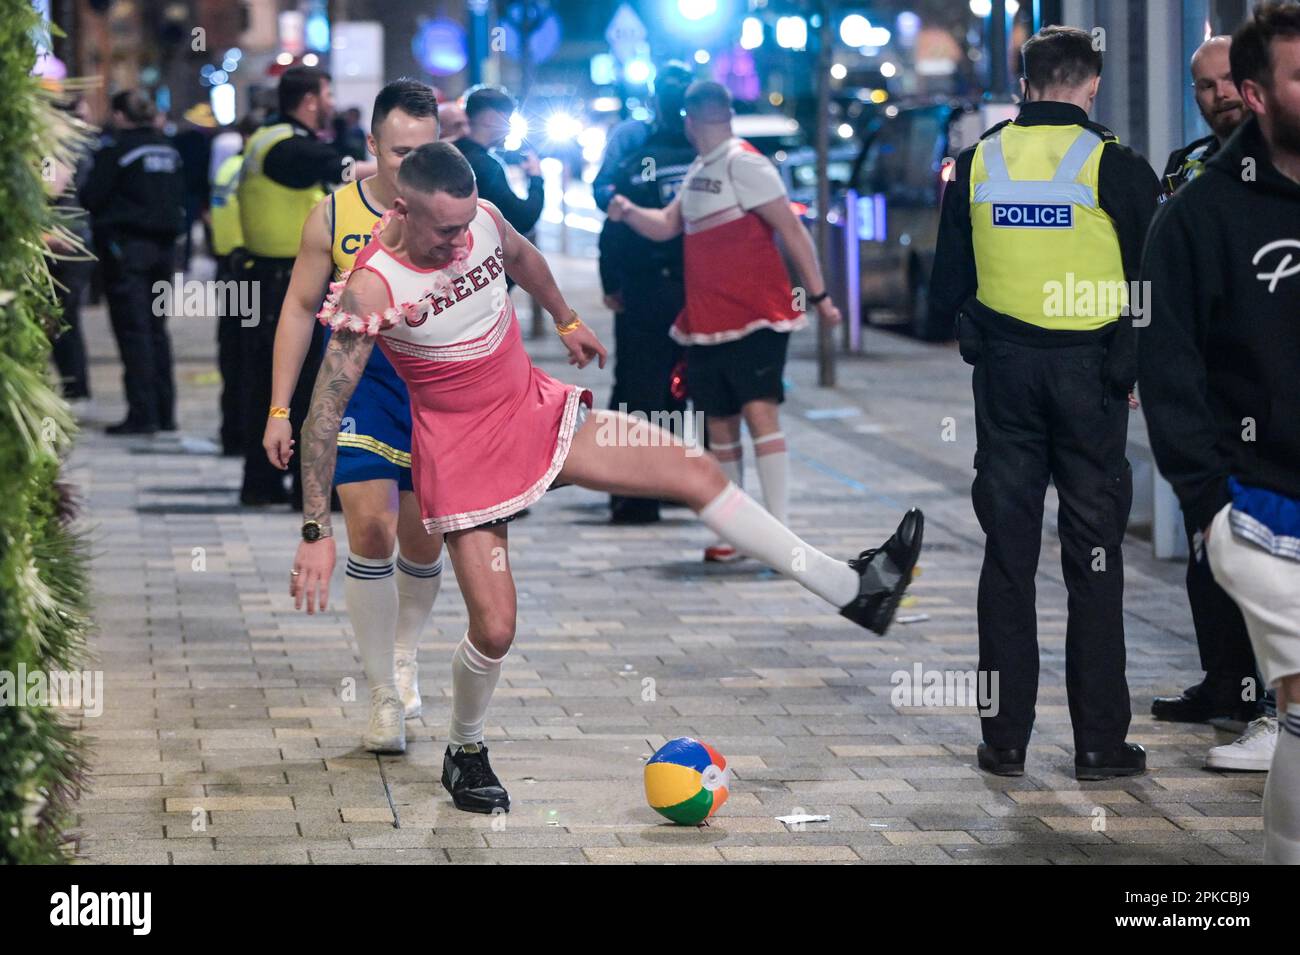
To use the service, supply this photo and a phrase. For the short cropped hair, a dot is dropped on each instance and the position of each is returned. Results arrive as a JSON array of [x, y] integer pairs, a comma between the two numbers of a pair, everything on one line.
[[410, 96], [437, 167], [1250, 56], [1056, 57], [296, 84], [137, 107], [708, 102], [489, 97]]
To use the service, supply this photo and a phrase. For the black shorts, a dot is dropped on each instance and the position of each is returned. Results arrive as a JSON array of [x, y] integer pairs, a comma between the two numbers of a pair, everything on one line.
[[720, 379]]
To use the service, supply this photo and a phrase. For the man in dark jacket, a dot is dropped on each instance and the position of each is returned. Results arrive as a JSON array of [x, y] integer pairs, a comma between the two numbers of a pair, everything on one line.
[[1220, 374], [1221, 108], [135, 196], [644, 278], [489, 110]]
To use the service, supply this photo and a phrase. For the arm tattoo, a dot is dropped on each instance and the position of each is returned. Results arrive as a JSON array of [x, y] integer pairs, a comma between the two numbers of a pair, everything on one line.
[[345, 360]]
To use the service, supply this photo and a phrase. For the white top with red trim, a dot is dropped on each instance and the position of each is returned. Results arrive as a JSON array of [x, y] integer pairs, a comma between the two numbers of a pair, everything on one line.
[[736, 281]]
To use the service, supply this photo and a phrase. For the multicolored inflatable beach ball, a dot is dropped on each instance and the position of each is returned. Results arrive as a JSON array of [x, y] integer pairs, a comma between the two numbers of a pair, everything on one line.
[[686, 781]]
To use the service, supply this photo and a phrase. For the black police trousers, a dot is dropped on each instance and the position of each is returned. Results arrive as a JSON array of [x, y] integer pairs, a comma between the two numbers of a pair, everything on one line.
[[644, 357], [263, 482], [1221, 638], [1044, 413], [133, 265]]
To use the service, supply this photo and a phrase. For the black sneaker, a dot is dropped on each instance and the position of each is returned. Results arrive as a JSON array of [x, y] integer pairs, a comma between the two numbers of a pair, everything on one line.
[[471, 782], [884, 573]]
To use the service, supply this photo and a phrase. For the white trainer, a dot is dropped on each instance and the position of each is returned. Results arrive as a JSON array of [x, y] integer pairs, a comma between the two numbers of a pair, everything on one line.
[[1251, 752], [387, 730], [408, 686]]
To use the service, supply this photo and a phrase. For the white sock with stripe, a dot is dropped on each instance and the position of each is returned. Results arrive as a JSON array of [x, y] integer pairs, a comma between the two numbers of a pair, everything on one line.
[[1282, 793], [371, 593], [739, 520], [474, 677], [417, 589], [773, 460]]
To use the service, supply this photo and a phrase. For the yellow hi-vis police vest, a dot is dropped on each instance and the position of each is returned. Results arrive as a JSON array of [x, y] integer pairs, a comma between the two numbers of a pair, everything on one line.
[[1045, 251], [272, 215], [353, 219], [227, 232]]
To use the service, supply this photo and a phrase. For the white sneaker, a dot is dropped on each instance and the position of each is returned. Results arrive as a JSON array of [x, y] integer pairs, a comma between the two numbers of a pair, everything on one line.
[[1251, 752], [387, 730], [408, 686]]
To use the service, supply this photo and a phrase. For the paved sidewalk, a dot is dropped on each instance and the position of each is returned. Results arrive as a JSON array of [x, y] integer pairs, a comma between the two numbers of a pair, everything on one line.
[[226, 735]]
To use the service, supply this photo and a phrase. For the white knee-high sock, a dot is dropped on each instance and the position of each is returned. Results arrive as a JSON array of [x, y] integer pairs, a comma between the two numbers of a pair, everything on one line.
[[473, 678], [737, 518], [371, 593], [417, 589], [773, 460], [1282, 794]]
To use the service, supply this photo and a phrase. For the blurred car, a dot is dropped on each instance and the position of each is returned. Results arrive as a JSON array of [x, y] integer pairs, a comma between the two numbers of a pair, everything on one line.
[[892, 203], [772, 134]]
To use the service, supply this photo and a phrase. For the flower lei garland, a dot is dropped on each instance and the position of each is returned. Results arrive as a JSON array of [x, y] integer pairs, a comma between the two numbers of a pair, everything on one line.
[[330, 315]]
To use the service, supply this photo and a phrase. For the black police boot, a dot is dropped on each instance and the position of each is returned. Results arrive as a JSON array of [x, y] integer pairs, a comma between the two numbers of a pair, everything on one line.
[[1000, 762], [884, 573], [1128, 759]]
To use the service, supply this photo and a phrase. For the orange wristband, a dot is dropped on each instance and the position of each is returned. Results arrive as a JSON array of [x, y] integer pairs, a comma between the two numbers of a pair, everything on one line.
[[279, 412]]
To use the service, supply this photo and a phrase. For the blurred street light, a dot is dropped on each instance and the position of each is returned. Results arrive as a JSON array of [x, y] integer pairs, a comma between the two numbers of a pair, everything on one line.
[[792, 33], [697, 9]]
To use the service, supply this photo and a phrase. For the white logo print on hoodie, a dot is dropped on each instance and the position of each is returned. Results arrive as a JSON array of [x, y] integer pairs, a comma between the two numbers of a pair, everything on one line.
[[1282, 271]]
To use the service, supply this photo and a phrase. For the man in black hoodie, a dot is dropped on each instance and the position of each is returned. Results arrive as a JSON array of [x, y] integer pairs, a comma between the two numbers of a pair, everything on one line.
[[1220, 374], [135, 196]]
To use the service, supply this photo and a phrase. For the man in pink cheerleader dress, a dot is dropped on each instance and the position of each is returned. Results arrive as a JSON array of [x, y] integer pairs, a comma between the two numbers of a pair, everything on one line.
[[491, 433]]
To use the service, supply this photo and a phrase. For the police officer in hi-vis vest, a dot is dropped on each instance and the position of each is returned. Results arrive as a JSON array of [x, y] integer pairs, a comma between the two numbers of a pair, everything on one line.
[[1041, 228], [284, 174], [227, 238]]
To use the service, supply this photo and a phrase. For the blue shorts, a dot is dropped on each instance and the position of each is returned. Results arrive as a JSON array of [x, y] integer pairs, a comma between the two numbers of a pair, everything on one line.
[[375, 434]]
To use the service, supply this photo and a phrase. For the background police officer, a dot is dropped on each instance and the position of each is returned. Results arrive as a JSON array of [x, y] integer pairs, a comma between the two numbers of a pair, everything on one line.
[[1221, 108], [1041, 226], [227, 238], [134, 195], [642, 280], [284, 174]]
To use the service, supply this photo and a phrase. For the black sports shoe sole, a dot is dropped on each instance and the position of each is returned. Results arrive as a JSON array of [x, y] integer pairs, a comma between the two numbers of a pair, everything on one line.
[[885, 615], [480, 808]]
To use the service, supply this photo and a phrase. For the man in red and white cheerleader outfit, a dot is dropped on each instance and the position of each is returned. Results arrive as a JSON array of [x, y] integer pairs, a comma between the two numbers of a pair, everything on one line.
[[740, 309], [491, 433]]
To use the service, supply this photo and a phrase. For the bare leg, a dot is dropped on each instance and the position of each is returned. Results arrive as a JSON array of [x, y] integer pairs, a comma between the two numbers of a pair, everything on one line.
[[649, 463], [415, 543], [481, 557]]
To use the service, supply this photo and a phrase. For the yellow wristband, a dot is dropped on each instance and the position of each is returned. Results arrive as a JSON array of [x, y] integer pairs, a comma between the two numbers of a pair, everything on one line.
[[279, 412], [570, 326]]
